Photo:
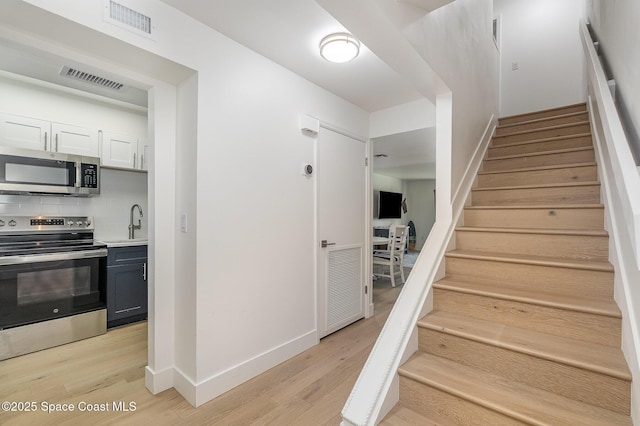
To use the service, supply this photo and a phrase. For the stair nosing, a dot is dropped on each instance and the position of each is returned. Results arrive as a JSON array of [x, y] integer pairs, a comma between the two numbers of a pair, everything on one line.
[[547, 185], [538, 353], [539, 120], [523, 299], [540, 168], [542, 129], [536, 231], [534, 141], [553, 262], [539, 207], [540, 153]]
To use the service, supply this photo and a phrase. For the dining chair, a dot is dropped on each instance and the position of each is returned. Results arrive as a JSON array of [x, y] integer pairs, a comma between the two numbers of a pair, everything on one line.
[[392, 258]]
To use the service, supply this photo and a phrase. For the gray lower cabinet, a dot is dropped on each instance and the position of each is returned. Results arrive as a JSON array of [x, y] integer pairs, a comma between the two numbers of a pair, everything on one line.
[[126, 285]]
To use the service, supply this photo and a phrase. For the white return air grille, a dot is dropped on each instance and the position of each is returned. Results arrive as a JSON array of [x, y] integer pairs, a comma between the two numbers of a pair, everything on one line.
[[90, 78], [344, 281], [130, 19]]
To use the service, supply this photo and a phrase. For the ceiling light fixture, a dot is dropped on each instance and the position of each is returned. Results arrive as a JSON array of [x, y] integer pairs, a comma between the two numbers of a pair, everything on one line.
[[339, 47]]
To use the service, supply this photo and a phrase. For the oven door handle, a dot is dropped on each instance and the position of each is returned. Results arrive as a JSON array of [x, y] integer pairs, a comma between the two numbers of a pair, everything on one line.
[[52, 257]]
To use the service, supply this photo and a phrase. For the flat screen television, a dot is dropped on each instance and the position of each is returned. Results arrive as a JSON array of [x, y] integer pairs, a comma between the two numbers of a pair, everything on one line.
[[389, 205]]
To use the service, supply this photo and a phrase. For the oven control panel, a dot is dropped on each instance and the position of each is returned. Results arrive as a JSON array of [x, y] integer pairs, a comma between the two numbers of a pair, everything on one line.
[[45, 223]]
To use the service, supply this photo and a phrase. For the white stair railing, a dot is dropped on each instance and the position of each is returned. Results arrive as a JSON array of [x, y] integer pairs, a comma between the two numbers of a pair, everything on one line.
[[621, 195]]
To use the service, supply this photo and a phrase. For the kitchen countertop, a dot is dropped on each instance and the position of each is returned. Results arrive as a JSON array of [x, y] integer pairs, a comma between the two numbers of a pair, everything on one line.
[[125, 242]]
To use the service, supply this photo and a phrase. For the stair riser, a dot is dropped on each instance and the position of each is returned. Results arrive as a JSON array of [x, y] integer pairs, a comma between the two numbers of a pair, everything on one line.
[[539, 177], [543, 114], [425, 399], [542, 134], [571, 382], [587, 194], [562, 246], [551, 121], [587, 218], [588, 327], [553, 280], [550, 145], [572, 157]]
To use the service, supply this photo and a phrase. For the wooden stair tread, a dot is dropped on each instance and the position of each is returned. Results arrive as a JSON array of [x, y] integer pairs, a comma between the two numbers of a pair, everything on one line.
[[561, 108], [542, 129], [539, 120], [539, 207], [585, 355], [538, 231], [545, 185], [534, 141], [540, 153], [579, 303], [516, 400], [532, 169], [401, 415], [591, 265]]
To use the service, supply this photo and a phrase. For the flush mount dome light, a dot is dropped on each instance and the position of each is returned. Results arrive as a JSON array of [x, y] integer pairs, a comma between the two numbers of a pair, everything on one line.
[[339, 47]]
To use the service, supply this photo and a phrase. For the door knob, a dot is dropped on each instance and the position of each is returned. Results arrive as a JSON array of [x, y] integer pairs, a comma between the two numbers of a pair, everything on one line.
[[324, 243]]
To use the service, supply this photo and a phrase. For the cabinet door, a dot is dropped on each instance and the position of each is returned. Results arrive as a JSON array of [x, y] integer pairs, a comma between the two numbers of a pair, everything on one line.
[[126, 291], [119, 150], [75, 140], [24, 132]]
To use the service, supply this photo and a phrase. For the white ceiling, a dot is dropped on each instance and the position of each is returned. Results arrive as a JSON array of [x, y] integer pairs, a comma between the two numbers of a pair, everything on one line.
[[409, 155], [289, 32]]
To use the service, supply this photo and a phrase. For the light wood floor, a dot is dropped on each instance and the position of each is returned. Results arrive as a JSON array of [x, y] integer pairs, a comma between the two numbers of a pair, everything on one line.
[[309, 389]]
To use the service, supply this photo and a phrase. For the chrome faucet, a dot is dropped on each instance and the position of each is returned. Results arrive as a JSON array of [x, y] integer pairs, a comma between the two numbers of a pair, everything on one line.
[[133, 227]]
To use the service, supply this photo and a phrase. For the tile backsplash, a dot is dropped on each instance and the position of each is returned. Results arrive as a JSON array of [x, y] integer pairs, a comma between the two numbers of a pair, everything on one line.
[[119, 190]]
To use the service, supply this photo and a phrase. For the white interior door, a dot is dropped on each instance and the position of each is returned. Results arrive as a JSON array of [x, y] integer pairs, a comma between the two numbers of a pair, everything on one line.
[[341, 216]]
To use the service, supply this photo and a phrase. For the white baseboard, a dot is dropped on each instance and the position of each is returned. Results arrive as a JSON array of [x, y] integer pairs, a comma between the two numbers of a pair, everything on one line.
[[158, 381], [208, 389], [185, 386]]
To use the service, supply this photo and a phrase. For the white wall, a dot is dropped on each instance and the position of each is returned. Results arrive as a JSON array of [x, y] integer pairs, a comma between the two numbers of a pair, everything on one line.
[[402, 118], [421, 208], [250, 314], [541, 37], [119, 189], [456, 40], [30, 98], [616, 28]]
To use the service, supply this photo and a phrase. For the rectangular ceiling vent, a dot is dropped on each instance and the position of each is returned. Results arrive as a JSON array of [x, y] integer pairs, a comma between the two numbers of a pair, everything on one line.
[[125, 17], [90, 78]]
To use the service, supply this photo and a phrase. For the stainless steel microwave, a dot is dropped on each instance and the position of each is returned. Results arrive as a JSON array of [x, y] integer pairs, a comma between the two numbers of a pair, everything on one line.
[[27, 171]]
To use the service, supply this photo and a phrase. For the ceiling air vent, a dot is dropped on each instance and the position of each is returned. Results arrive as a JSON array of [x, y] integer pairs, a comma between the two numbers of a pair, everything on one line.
[[125, 17], [90, 78]]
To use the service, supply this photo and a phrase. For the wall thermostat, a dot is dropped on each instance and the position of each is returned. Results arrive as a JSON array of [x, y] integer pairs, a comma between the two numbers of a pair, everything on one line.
[[307, 169]]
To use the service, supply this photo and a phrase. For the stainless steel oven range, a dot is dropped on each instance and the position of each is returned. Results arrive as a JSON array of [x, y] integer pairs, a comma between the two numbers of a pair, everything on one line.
[[52, 283]]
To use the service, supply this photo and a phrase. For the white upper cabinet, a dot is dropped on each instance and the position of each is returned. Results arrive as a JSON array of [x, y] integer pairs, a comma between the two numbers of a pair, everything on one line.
[[75, 140], [23, 132], [31, 133], [124, 151], [119, 150]]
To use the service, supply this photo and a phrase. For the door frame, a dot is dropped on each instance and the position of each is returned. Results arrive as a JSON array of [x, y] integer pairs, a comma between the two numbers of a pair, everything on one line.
[[368, 220]]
